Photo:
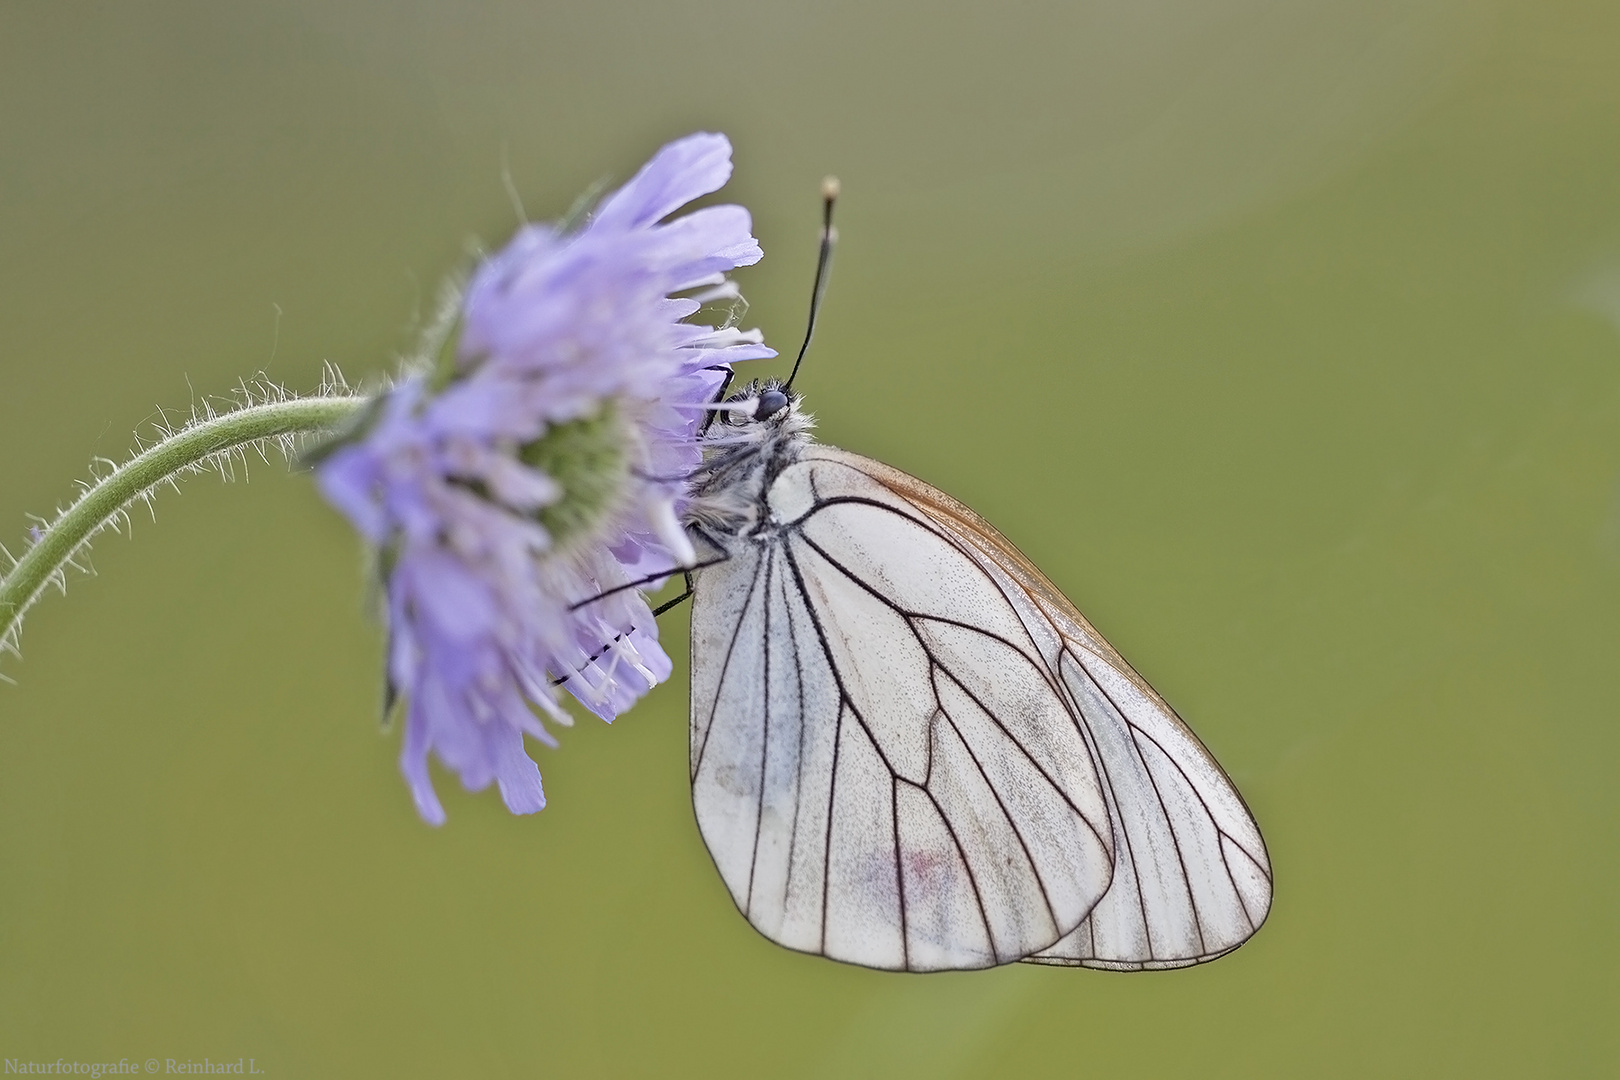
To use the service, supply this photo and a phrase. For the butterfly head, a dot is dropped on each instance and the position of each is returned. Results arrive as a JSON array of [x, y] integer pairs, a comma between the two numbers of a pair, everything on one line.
[[762, 406], [762, 423]]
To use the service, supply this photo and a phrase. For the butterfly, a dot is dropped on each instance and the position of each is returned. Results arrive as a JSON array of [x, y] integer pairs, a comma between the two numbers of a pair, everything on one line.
[[910, 751]]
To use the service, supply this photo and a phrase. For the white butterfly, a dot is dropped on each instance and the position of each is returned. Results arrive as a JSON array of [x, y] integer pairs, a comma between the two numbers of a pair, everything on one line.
[[910, 751]]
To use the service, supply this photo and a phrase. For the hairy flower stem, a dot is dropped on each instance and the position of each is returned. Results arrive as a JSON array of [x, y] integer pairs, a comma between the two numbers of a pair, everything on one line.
[[186, 449]]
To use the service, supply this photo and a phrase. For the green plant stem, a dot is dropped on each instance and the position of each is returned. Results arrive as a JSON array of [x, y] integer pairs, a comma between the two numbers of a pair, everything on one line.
[[186, 449]]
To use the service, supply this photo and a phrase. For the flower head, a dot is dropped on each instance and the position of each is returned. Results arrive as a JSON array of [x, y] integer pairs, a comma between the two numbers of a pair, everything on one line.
[[541, 470]]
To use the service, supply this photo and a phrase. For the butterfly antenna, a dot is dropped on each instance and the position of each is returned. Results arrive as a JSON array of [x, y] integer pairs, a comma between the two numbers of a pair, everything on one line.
[[829, 236]]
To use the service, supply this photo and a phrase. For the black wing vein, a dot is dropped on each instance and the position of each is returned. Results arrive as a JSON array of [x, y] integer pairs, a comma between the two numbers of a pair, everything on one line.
[[731, 648], [911, 619]]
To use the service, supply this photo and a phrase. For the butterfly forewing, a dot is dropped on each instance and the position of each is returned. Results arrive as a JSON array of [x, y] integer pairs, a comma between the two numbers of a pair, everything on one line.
[[885, 768]]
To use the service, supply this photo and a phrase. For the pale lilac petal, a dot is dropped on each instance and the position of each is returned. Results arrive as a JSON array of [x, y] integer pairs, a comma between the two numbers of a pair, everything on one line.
[[515, 773], [413, 763], [684, 170], [348, 479]]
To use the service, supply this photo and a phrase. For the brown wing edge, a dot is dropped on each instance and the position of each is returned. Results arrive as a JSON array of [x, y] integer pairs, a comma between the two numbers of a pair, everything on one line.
[[989, 539]]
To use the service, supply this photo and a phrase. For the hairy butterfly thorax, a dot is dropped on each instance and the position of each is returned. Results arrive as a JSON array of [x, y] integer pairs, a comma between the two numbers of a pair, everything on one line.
[[762, 433]]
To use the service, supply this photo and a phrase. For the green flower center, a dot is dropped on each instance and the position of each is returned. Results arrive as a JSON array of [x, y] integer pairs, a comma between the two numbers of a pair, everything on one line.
[[589, 459]]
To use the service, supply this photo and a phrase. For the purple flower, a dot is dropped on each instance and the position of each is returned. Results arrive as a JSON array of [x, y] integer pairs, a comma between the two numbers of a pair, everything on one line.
[[536, 473]]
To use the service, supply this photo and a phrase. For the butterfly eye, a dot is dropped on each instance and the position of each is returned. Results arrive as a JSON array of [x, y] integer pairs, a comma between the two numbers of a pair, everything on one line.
[[771, 402]]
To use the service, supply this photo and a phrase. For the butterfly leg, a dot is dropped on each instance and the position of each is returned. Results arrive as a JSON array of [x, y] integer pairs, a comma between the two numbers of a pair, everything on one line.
[[719, 395], [657, 611], [661, 608], [686, 573]]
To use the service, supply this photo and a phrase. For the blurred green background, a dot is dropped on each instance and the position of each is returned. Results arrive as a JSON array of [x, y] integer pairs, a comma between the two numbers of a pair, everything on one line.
[[1285, 337]]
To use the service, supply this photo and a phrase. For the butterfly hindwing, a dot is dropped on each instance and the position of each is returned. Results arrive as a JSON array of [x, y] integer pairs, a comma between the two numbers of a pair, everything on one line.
[[884, 768], [1191, 876]]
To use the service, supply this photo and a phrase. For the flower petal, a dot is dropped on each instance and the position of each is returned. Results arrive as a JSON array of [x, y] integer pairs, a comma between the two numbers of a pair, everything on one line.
[[683, 170]]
